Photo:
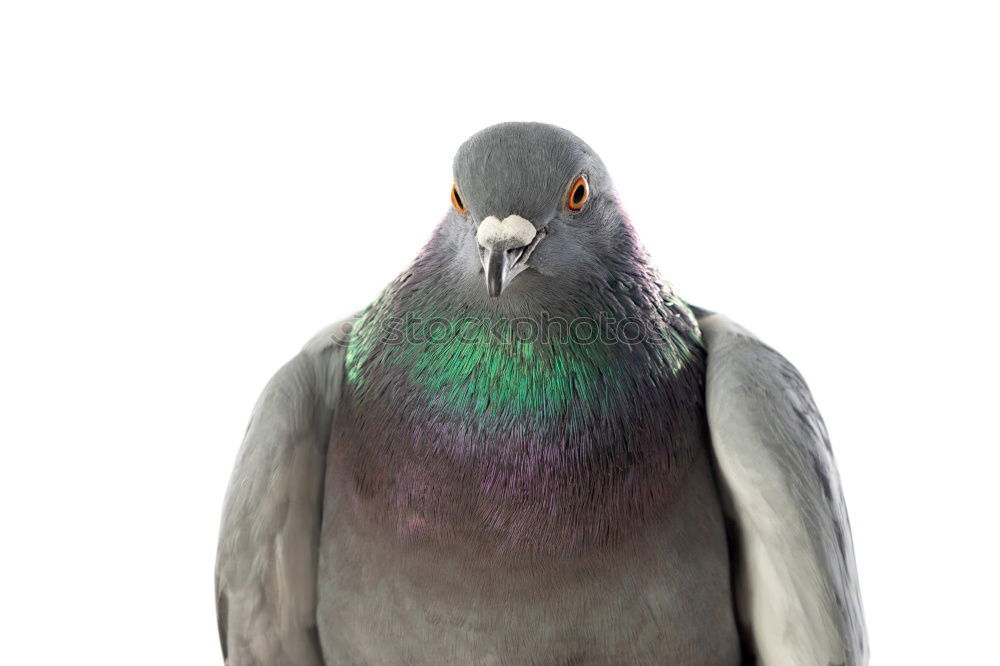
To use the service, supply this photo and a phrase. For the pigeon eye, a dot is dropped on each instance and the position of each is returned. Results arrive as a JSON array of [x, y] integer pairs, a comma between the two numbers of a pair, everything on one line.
[[579, 192], [456, 200]]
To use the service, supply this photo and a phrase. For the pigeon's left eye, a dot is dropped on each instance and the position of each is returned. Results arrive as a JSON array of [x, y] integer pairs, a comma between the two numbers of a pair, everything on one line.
[[456, 200], [579, 192]]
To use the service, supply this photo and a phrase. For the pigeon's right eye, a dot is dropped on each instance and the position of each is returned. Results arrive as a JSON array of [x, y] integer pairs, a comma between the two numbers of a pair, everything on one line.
[[456, 200]]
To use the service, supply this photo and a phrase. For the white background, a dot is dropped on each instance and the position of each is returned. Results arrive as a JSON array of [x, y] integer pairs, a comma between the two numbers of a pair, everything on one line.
[[188, 190]]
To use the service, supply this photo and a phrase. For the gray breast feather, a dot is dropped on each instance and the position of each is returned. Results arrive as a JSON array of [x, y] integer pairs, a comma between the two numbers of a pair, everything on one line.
[[269, 540], [795, 579]]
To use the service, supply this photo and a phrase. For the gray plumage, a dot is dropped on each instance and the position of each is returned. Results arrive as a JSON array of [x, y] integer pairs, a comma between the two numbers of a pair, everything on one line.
[[269, 544], [796, 583], [458, 502]]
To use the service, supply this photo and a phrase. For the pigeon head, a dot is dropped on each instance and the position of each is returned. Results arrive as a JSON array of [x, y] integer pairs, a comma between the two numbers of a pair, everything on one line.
[[533, 210], [533, 308]]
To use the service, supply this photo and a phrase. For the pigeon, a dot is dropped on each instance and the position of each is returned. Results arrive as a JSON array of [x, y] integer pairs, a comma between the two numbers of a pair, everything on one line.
[[529, 450]]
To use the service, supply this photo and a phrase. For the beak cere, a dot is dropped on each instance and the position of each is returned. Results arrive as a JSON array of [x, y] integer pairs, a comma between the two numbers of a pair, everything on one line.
[[505, 248]]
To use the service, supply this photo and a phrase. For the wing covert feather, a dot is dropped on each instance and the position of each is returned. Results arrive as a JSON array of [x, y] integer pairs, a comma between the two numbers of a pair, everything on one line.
[[796, 584], [269, 539]]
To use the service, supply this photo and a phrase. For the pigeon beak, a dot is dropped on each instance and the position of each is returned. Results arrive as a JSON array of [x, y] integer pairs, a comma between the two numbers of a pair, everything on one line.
[[505, 248], [497, 265]]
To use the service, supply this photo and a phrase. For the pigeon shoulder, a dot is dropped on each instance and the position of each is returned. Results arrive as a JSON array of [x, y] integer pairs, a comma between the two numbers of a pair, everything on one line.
[[323, 355]]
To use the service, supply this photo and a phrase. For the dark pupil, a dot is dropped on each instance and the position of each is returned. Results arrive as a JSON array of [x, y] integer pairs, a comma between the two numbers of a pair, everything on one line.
[[578, 194], [458, 199]]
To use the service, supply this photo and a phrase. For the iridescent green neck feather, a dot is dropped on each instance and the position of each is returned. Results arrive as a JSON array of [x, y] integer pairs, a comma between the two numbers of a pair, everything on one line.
[[473, 361]]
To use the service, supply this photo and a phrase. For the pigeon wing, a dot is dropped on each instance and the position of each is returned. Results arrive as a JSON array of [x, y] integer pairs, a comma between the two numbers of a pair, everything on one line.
[[269, 542], [795, 580]]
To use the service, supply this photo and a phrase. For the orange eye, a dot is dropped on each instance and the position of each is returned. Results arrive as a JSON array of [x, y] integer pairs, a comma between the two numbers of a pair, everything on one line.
[[579, 192], [456, 200]]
